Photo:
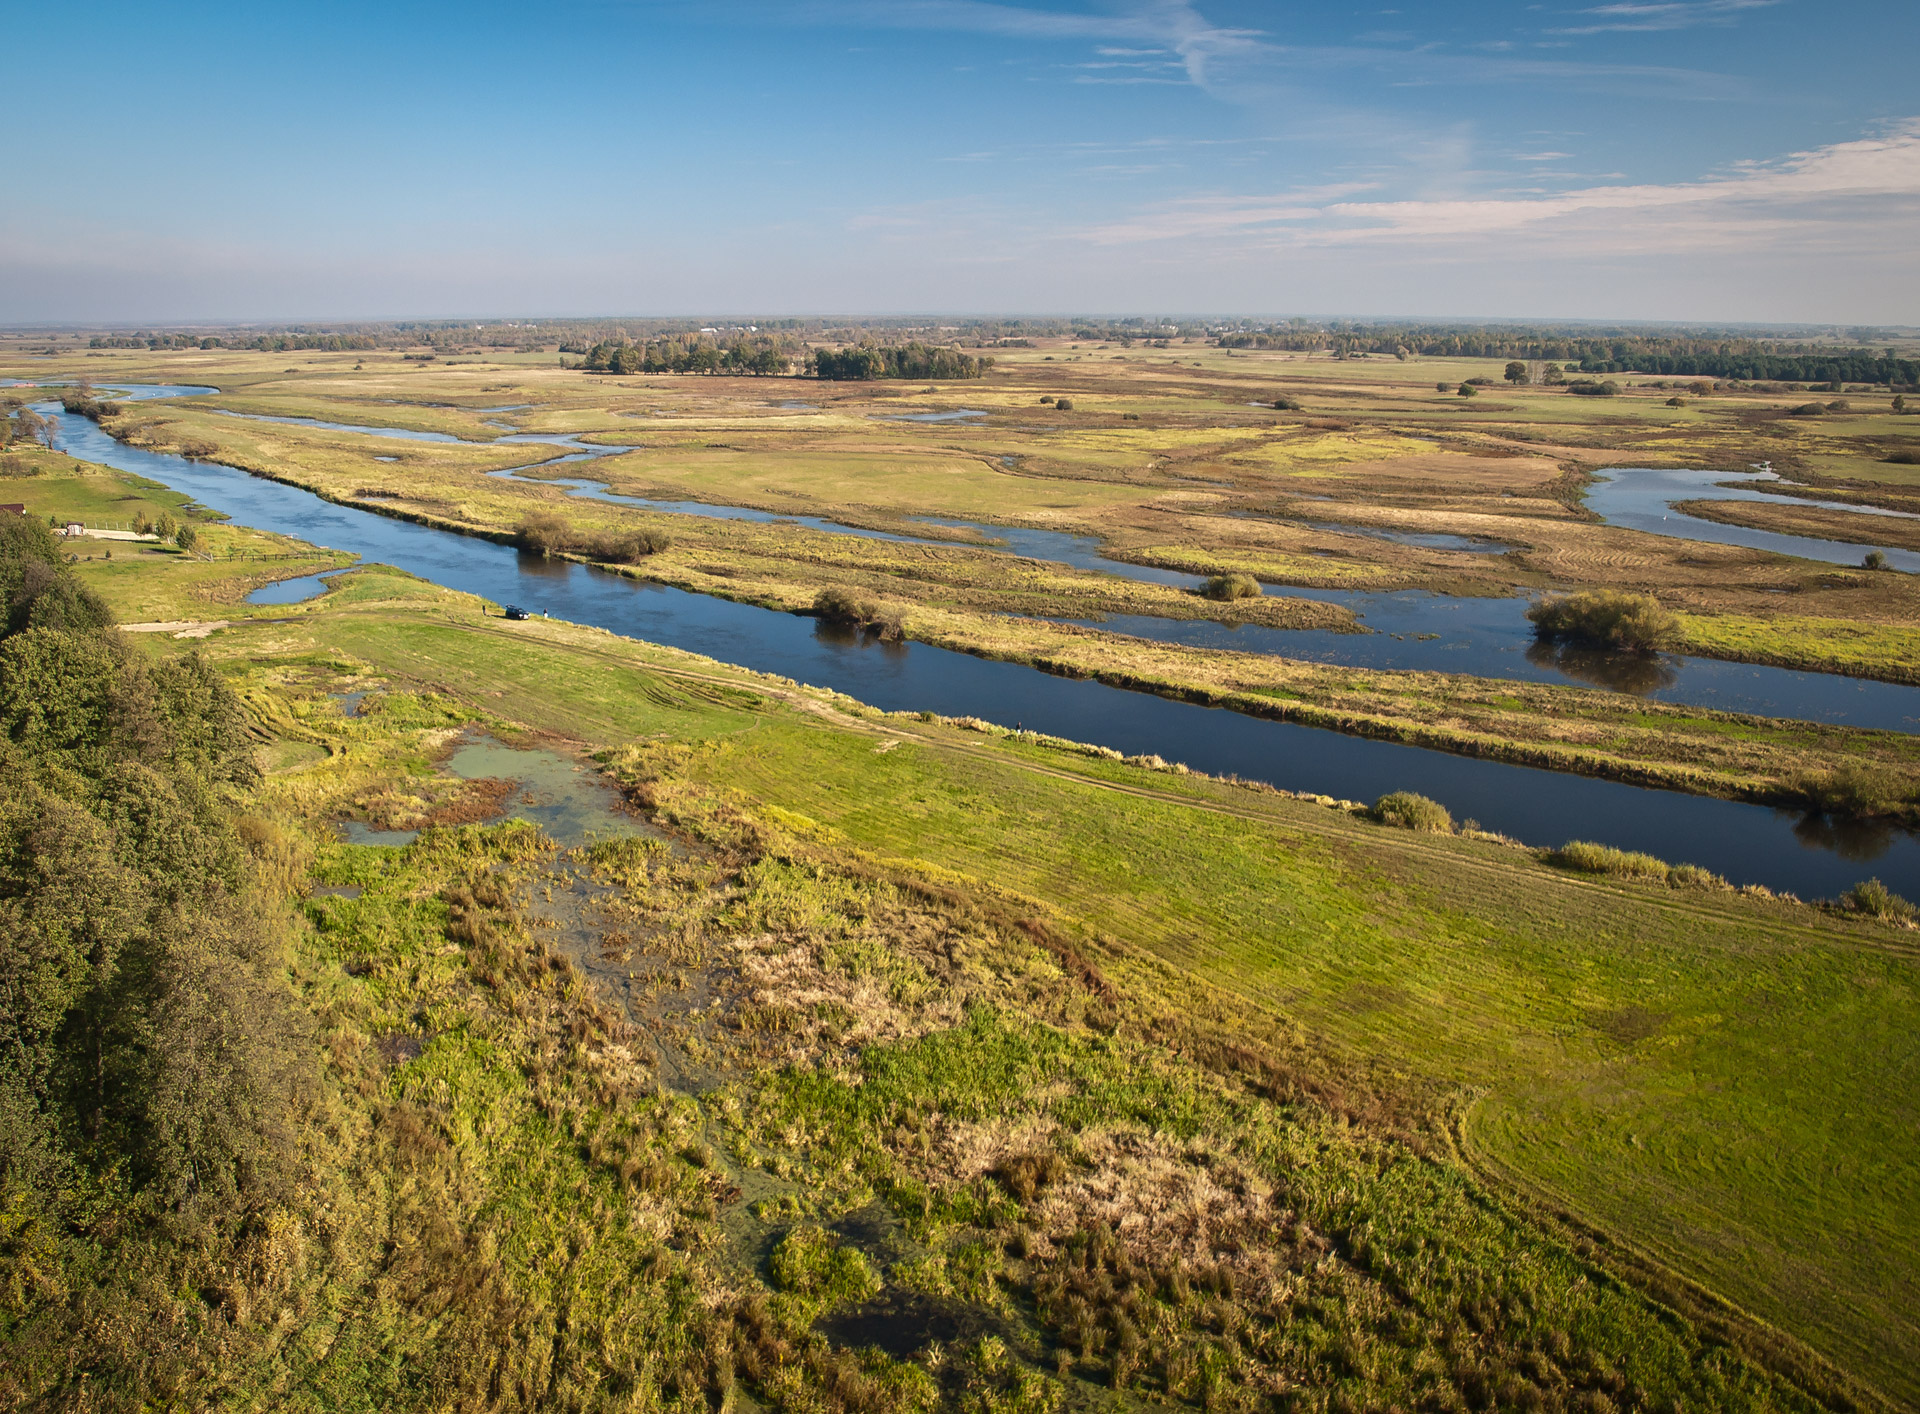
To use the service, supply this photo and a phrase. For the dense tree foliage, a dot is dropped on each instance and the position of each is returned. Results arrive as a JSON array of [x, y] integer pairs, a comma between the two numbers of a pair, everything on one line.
[[910, 360], [145, 1026], [688, 354]]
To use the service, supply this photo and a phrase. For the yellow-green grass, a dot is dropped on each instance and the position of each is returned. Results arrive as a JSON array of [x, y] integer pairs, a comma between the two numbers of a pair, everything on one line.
[[151, 582], [1388, 443], [1753, 1049], [1830, 645], [955, 598]]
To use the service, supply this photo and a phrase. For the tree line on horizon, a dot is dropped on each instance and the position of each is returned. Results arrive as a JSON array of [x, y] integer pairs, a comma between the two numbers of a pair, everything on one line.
[[1744, 359]]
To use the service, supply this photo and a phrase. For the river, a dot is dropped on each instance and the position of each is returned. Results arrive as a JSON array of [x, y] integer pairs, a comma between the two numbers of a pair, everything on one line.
[[1810, 856]]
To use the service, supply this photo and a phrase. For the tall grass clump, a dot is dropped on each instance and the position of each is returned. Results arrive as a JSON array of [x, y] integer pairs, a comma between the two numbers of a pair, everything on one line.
[[1590, 858], [1607, 618], [1876, 900], [1412, 812], [1228, 587]]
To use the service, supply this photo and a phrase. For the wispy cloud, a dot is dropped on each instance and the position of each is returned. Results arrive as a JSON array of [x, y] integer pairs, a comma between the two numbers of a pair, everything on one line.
[[1644, 16], [1866, 192], [1240, 63]]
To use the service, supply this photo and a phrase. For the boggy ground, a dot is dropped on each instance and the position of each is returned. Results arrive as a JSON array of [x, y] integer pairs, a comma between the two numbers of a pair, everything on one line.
[[982, 602], [1126, 1086], [852, 1133]]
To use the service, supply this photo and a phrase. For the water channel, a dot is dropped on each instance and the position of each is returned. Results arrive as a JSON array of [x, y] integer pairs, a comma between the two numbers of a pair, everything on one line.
[[1410, 629], [1810, 856]]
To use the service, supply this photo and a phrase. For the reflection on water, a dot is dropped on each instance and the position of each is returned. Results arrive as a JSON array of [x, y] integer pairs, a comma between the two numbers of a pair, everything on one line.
[[1641, 674], [1746, 843], [1642, 499], [289, 591], [571, 803], [1858, 841]]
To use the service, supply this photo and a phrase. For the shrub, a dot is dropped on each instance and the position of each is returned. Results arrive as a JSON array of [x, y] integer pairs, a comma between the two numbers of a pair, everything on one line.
[[1443, 387], [1903, 458], [1608, 618], [1874, 560], [1063, 404], [1467, 390], [547, 534], [1839, 405], [1676, 402], [1228, 587], [1876, 900], [1287, 404], [1587, 388], [1852, 789], [1692, 876], [838, 604], [1412, 812], [1591, 858], [542, 534], [1809, 410], [621, 547]]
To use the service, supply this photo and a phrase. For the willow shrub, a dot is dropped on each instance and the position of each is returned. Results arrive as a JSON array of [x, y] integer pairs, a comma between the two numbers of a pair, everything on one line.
[[1607, 618]]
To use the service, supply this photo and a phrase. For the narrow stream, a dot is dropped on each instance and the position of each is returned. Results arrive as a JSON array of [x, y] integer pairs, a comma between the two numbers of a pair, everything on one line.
[[1812, 856]]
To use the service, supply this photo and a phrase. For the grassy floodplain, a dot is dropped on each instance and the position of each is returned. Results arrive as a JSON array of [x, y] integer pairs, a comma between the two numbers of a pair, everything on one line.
[[1461, 1125], [1164, 457]]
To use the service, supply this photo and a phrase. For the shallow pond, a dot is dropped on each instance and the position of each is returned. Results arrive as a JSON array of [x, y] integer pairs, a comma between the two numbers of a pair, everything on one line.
[[569, 801], [290, 591], [1748, 843]]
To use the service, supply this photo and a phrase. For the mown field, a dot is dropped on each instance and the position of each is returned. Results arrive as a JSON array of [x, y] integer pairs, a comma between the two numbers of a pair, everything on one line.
[[1712, 1086]]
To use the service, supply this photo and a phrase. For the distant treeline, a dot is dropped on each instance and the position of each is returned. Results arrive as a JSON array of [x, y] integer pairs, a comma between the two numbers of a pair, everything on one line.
[[1666, 355], [270, 343], [696, 354], [911, 360]]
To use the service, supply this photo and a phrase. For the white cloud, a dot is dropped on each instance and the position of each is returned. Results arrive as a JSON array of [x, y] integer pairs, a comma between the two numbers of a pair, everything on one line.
[[1646, 16], [1863, 194]]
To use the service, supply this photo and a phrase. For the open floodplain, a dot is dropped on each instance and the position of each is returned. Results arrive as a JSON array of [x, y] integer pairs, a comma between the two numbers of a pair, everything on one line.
[[1027, 1011]]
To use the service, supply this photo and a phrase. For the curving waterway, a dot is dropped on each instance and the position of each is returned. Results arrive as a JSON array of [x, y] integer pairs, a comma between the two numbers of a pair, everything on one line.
[[1811, 856], [1643, 499], [1407, 629]]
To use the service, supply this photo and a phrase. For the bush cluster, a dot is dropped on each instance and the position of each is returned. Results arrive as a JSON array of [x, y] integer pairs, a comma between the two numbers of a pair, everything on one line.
[[550, 535], [1876, 900], [1854, 789], [1412, 812], [1228, 587], [1607, 618], [838, 604]]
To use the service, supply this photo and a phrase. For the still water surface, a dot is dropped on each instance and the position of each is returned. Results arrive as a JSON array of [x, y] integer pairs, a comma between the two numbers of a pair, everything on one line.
[[1747, 843]]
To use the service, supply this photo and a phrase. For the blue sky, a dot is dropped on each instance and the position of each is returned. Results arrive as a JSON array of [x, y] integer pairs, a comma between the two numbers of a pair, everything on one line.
[[1646, 159]]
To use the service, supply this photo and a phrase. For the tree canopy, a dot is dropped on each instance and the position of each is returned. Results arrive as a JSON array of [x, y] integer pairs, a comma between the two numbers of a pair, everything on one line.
[[913, 360]]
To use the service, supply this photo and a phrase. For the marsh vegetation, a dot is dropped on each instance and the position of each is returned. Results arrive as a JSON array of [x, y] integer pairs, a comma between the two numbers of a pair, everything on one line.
[[886, 1061]]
